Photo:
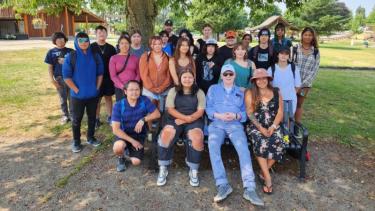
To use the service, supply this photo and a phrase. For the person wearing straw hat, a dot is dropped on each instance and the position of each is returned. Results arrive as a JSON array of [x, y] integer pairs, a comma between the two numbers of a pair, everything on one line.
[[264, 107], [226, 109]]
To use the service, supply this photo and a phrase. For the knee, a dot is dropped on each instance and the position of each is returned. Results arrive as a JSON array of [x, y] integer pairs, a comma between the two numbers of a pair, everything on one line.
[[196, 137], [136, 161], [167, 135], [118, 147]]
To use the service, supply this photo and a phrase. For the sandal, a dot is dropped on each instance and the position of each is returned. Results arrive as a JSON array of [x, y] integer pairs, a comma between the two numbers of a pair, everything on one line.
[[267, 189]]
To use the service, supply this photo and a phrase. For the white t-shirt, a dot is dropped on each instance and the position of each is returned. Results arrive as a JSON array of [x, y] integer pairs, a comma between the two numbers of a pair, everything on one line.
[[284, 80]]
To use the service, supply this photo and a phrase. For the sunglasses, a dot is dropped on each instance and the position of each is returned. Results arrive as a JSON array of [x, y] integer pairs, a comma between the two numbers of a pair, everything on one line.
[[228, 74], [82, 40]]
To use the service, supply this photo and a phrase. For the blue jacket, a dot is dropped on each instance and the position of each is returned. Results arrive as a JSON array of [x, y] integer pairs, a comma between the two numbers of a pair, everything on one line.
[[219, 101], [85, 72]]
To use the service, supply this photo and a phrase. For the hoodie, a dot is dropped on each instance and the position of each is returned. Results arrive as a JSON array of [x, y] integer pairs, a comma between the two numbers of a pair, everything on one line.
[[85, 72]]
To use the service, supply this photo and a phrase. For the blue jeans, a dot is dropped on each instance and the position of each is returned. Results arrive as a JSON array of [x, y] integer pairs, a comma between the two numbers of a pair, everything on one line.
[[235, 131], [64, 95]]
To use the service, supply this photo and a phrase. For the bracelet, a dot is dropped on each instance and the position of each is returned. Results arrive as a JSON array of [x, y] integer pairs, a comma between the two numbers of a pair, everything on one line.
[[236, 116]]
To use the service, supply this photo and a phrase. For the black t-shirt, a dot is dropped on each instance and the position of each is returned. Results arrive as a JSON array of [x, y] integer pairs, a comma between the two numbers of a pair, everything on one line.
[[52, 58], [225, 53], [202, 43], [207, 76], [263, 58], [106, 51]]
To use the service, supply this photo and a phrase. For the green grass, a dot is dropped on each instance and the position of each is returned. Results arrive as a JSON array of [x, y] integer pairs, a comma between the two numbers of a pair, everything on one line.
[[341, 105]]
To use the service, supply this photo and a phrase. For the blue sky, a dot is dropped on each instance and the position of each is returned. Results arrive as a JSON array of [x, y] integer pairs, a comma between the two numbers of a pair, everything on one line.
[[351, 4]]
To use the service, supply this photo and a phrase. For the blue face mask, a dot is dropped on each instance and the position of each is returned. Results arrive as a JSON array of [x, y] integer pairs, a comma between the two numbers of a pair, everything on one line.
[[82, 40]]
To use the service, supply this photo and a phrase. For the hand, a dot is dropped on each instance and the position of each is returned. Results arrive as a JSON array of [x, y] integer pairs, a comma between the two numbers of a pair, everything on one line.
[[56, 84], [270, 131], [188, 119], [60, 60], [76, 90], [137, 145], [229, 116], [264, 131], [139, 126], [179, 121]]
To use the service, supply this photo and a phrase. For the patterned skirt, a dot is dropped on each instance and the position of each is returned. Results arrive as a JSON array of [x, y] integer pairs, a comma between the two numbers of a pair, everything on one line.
[[266, 147]]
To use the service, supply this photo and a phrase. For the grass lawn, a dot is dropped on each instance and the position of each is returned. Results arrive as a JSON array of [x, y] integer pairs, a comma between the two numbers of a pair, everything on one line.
[[340, 106]]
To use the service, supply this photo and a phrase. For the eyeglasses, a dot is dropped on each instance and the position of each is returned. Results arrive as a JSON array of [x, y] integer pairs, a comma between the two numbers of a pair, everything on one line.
[[82, 40], [228, 74]]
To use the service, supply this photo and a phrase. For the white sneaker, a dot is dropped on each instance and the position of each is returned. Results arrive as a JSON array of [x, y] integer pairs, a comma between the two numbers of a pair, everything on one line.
[[194, 180], [162, 177]]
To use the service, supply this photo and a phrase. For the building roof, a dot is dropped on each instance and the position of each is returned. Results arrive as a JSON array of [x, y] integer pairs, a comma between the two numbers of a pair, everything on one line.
[[273, 20]]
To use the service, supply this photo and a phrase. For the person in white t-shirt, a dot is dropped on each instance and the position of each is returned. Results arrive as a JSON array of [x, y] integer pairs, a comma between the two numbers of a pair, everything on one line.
[[286, 77]]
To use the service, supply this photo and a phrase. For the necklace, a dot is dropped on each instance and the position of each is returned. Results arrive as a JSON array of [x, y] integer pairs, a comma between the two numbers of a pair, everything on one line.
[[306, 48], [102, 50]]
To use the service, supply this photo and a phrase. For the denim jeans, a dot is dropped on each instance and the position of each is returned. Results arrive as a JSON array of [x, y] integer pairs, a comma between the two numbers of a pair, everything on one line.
[[79, 107], [64, 95], [235, 131], [154, 96]]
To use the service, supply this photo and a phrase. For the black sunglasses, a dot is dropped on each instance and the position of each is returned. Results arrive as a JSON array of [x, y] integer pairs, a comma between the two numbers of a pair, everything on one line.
[[228, 74]]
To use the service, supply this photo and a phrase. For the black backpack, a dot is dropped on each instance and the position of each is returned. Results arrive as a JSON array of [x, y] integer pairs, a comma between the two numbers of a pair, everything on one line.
[[273, 68], [73, 58], [294, 56]]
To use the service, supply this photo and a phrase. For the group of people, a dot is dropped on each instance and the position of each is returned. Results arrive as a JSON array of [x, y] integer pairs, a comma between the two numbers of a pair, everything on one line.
[[245, 93]]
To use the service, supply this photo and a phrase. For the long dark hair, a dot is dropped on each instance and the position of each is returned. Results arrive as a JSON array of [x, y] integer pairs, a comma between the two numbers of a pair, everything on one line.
[[314, 41], [180, 88], [255, 93], [177, 54], [204, 49], [188, 34]]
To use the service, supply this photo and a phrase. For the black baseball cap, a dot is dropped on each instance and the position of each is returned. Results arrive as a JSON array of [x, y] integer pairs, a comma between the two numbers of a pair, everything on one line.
[[168, 22]]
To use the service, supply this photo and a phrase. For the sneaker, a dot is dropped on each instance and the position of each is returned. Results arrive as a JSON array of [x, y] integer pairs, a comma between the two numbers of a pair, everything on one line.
[[121, 164], [253, 197], [97, 123], [162, 177], [76, 148], [109, 120], [64, 120], [93, 142], [223, 192], [193, 175]]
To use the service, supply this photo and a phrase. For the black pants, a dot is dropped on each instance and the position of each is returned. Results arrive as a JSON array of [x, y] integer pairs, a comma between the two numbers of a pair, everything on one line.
[[79, 106], [119, 93]]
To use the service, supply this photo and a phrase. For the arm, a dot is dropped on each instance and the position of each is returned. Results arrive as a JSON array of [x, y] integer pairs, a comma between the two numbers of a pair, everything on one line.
[[278, 118], [113, 73], [99, 72], [250, 113], [242, 114], [172, 70], [297, 80], [144, 73], [167, 80], [50, 72], [68, 74], [314, 70], [121, 134], [138, 76]]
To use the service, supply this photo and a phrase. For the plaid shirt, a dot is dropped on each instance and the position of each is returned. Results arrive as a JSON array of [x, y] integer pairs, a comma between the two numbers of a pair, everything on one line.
[[308, 65]]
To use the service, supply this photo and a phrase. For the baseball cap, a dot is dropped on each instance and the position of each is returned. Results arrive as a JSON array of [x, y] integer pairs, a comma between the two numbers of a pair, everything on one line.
[[230, 33], [264, 31], [227, 67], [211, 41], [168, 22]]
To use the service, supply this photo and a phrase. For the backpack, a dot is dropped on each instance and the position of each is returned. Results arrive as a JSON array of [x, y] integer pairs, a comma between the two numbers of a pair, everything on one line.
[[73, 58], [256, 49], [294, 56], [141, 103], [273, 68]]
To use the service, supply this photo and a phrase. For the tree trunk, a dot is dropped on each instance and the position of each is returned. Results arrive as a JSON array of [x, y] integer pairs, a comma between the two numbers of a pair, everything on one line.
[[140, 14]]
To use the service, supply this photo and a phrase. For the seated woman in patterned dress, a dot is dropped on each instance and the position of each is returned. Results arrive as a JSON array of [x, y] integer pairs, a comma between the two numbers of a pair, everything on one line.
[[264, 107]]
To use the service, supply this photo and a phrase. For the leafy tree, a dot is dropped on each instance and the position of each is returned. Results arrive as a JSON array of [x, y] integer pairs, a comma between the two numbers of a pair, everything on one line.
[[258, 15], [359, 20], [325, 16], [371, 16]]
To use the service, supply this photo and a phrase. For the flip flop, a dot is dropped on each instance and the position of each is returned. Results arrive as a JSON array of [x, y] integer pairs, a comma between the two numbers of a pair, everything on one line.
[[269, 189]]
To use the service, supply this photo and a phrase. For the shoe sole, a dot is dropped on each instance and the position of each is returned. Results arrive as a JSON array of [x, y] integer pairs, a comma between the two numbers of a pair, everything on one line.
[[194, 184], [94, 145], [76, 151], [226, 196], [251, 201], [164, 182]]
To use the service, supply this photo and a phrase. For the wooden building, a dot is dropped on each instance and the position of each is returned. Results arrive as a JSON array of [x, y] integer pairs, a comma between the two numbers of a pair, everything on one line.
[[44, 25]]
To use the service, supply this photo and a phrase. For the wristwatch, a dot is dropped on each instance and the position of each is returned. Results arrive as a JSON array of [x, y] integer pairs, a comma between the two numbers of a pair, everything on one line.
[[144, 119]]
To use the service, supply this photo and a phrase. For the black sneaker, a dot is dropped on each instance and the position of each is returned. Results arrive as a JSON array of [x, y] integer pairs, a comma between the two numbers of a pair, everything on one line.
[[109, 120], [76, 148], [121, 164], [97, 123], [93, 142]]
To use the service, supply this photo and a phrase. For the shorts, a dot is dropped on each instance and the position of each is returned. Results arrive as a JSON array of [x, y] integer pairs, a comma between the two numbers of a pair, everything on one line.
[[159, 97], [184, 128], [132, 151], [107, 88]]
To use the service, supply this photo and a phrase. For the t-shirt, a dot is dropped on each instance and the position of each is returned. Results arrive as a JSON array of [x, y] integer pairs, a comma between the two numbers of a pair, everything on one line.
[[52, 58], [138, 52], [225, 53], [128, 116], [106, 51], [243, 74], [207, 76], [168, 49], [284, 80], [263, 59], [172, 95], [173, 40]]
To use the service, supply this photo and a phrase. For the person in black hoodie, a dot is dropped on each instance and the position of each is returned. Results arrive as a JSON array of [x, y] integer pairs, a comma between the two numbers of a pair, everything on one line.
[[207, 64]]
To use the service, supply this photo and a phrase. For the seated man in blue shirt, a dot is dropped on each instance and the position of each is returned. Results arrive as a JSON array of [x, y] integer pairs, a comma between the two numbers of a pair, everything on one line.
[[128, 124], [226, 109]]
